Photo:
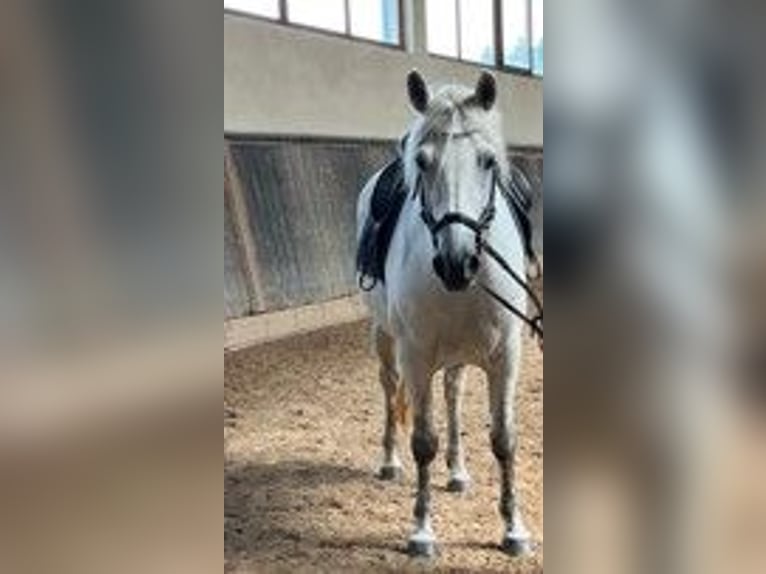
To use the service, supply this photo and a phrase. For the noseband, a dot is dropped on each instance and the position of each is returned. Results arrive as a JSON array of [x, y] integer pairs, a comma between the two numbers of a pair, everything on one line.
[[480, 227]]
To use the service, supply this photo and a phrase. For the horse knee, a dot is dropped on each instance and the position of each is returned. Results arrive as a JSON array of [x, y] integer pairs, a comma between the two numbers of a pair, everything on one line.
[[425, 444], [388, 379]]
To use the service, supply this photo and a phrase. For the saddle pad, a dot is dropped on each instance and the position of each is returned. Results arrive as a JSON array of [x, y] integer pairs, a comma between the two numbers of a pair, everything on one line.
[[385, 207]]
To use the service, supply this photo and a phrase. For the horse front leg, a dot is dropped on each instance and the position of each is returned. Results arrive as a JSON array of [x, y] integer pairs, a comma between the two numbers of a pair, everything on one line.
[[391, 467], [459, 480], [425, 444], [503, 377]]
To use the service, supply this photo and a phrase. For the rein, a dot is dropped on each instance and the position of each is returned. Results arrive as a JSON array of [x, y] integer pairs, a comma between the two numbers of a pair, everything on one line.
[[480, 226]]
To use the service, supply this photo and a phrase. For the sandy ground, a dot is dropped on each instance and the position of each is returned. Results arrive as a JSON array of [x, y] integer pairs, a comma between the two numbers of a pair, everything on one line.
[[302, 428]]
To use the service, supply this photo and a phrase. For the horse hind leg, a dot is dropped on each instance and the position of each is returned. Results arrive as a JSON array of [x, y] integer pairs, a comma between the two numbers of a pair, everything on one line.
[[391, 467], [459, 480]]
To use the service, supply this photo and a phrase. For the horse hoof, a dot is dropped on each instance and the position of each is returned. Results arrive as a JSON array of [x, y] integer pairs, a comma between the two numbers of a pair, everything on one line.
[[517, 547], [390, 473], [421, 547], [458, 485]]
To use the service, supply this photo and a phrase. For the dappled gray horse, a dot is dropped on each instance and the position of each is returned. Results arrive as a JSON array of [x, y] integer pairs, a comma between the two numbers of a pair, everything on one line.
[[432, 311]]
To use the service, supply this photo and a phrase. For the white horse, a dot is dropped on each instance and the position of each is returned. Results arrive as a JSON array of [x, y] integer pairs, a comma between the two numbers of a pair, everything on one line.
[[430, 312]]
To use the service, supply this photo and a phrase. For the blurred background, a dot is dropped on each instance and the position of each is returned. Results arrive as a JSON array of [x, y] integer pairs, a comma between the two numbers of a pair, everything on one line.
[[110, 261], [111, 249], [654, 410]]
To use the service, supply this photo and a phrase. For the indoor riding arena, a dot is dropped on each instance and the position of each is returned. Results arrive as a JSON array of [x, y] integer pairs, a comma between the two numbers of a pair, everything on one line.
[[315, 104]]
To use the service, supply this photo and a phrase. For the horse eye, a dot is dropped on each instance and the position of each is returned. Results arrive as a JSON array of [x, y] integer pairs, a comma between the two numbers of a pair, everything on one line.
[[487, 161], [423, 160]]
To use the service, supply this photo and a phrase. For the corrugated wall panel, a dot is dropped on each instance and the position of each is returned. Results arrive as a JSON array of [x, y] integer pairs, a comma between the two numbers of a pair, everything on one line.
[[531, 163], [301, 202], [235, 285]]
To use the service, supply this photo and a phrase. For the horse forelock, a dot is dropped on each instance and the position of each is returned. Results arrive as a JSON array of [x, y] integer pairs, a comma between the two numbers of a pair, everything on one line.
[[454, 111]]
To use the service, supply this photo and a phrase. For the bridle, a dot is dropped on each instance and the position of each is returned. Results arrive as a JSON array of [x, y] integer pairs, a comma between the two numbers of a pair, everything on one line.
[[480, 226]]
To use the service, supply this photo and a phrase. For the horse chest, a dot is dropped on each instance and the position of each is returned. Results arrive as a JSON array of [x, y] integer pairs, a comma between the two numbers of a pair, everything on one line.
[[466, 340], [455, 328]]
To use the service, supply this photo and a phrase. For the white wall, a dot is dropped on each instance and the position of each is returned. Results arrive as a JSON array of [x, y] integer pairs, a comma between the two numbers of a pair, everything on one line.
[[283, 80]]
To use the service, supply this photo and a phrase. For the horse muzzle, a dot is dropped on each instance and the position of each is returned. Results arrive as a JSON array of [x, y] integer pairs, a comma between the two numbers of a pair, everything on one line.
[[456, 273]]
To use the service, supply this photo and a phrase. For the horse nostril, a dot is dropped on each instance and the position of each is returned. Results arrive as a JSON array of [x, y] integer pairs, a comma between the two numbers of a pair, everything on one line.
[[472, 265], [455, 273]]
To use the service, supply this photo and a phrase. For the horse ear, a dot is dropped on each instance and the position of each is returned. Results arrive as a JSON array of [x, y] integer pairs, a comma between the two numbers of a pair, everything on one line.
[[486, 90], [417, 91]]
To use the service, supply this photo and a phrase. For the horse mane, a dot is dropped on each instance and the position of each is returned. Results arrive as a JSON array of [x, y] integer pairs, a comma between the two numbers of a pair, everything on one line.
[[454, 109]]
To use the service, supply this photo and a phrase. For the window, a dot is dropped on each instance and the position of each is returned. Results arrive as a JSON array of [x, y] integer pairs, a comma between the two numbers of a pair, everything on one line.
[[376, 20], [476, 31], [327, 14], [441, 27], [461, 29], [537, 37], [503, 33], [267, 8], [516, 52]]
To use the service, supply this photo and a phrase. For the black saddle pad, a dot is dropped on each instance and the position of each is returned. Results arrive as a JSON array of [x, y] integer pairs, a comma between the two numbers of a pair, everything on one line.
[[385, 207]]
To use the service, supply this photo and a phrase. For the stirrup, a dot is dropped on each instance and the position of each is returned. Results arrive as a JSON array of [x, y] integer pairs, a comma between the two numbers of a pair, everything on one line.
[[367, 282]]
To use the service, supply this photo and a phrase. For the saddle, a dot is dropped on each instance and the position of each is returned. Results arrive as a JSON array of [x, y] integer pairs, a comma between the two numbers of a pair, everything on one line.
[[386, 204], [385, 207]]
